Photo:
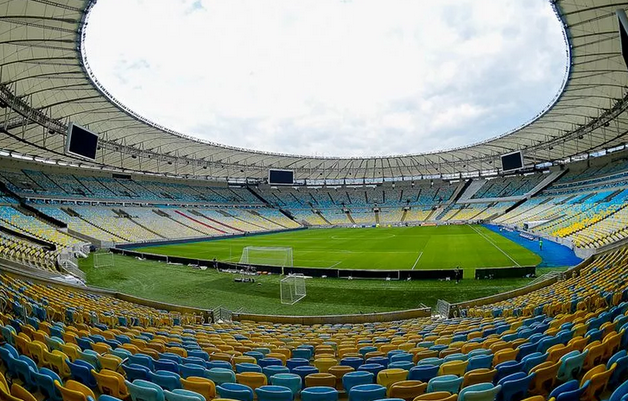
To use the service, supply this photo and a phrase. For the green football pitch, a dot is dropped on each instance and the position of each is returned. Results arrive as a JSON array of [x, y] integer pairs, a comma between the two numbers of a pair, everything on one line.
[[370, 248], [184, 285], [396, 248]]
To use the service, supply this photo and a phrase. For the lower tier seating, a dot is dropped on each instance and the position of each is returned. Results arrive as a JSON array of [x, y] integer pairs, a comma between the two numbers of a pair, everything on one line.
[[567, 339]]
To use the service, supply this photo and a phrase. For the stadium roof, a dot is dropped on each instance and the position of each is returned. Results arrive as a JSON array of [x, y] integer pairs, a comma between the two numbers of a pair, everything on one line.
[[46, 82]]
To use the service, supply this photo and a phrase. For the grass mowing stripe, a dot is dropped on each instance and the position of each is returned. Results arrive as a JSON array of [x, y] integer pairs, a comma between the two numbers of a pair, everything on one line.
[[384, 248]]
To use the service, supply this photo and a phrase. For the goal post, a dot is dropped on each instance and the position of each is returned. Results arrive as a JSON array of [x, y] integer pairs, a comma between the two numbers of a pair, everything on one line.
[[267, 256], [292, 289], [103, 259]]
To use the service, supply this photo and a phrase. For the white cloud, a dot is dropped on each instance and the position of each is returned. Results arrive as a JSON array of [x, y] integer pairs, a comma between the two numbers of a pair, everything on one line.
[[330, 77]]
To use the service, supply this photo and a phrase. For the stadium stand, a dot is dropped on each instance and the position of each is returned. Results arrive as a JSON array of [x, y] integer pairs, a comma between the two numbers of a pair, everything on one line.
[[357, 205], [564, 338], [586, 209], [28, 253], [561, 336], [508, 186]]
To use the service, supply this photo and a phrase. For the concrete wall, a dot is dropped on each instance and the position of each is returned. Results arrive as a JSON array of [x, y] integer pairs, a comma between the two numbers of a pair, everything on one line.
[[335, 319]]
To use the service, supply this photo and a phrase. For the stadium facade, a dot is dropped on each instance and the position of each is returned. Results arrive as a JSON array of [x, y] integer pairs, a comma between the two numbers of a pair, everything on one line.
[[46, 83]]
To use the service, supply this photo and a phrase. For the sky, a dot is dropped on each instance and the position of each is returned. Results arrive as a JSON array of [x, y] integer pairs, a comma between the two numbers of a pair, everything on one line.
[[330, 77]]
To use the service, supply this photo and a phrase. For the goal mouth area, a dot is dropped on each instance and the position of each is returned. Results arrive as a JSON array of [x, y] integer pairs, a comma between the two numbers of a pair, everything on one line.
[[292, 289], [267, 256], [103, 259]]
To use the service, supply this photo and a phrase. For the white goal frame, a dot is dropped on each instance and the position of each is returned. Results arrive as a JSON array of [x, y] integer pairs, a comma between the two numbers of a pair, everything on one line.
[[292, 289], [284, 256], [103, 259]]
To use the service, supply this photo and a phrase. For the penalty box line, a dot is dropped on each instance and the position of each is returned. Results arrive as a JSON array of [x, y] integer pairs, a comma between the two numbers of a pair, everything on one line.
[[417, 260]]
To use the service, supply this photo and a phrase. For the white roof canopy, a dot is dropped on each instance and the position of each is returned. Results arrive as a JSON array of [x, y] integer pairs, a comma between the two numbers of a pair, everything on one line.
[[46, 83]]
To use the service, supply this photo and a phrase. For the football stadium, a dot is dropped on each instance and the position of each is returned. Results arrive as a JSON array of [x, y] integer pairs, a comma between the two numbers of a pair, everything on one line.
[[142, 262]]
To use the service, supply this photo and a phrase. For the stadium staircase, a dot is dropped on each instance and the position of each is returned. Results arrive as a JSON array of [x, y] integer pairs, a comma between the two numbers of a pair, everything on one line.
[[28, 210], [254, 213], [584, 198], [260, 197], [80, 235], [458, 192], [6, 190], [513, 207], [272, 206], [318, 212], [122, 214], [404, 215], [177, 222], [146, 228], [43, 176], [376, 216], [200, 222], [199, 214], [471, 189], [552, 177], [524, 211], [82, 184], [443, 208], [288, 215], [485, 209], [240, 219], [570, 197], [437, 211], [297, 200], [441, 211], [611, 196], [277, 200], [453, 216], [73, 213], [348, 213]]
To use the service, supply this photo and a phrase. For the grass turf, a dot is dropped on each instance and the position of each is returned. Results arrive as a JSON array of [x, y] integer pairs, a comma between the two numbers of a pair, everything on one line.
[[397, 248], [381, 248], [184, 285]]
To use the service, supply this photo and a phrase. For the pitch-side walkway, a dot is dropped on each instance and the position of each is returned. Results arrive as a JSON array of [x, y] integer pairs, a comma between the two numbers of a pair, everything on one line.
[[553, 254]]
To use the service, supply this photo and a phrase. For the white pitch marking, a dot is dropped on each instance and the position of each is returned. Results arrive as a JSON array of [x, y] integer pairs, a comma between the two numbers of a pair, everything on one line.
[[335, 264], [494, 244], [417, 260]]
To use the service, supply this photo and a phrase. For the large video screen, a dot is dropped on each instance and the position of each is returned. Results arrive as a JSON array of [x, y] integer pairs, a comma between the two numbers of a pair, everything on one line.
[[280, 177], [512, 161], [81, 142]]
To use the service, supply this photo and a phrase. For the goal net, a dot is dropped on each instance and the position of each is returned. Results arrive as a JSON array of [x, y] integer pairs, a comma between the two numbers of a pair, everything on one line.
[[103, 259], [292, 289], [266, 256]]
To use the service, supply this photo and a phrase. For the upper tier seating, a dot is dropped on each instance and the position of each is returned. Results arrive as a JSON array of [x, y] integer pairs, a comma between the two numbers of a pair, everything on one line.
[[29, 183], [611, 169], [144, 209], [508, 186]]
